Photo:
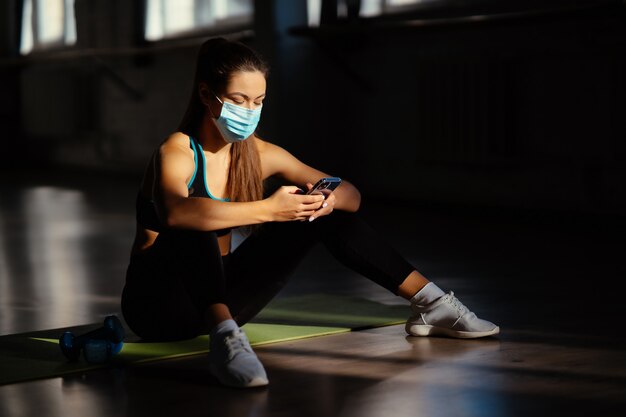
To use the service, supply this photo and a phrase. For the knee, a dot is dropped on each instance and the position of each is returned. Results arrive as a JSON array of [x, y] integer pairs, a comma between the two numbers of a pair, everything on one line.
[[338, 222]]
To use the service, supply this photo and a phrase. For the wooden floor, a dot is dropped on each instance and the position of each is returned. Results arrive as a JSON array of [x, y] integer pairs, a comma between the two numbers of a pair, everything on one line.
[[549, 280]]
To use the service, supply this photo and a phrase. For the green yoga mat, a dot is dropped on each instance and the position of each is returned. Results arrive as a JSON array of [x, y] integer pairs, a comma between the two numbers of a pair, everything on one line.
[[36, 355]]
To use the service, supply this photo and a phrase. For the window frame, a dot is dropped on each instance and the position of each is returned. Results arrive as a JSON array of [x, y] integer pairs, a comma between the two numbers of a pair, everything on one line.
[[228, 25], [68, 39], [387, 11]]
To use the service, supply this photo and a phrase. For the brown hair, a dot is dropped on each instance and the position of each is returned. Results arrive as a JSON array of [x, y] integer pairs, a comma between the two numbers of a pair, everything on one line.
[[217, 61]]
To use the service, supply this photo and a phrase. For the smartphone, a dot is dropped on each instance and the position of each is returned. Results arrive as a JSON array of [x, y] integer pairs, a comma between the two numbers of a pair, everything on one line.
[[325, 186]]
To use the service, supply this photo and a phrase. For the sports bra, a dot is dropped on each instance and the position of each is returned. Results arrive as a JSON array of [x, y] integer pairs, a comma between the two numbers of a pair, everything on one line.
[[146, 213]]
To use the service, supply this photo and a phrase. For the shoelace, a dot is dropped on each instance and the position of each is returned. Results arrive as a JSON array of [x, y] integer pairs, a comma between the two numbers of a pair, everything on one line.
[[456, 303], [235, 343]]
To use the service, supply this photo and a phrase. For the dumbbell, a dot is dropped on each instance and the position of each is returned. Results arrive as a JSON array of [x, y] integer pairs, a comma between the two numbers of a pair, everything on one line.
[[98, 345], [100, 350]]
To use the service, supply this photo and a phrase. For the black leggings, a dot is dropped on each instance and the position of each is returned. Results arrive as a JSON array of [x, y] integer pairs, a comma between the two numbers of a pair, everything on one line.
[[169, 288]]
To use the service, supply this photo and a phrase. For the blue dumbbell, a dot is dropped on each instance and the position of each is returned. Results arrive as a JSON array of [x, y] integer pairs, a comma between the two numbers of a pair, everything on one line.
[[98, 345], [100, 350]]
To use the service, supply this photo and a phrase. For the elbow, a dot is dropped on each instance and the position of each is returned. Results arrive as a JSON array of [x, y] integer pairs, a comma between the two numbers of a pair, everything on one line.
[[179, 216], [357, 200], [171, 223], [354, 201], [170, 220]]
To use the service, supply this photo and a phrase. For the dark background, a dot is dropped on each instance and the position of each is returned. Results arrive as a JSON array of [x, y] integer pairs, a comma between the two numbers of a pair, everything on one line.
[[522, 108]]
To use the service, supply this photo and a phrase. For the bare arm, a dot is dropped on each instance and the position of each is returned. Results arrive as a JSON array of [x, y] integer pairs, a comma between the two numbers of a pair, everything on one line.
[[174, 165], [277, 161]]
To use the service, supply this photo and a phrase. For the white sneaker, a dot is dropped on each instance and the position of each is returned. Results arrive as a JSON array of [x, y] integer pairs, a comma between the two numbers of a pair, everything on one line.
[[233, 362], [447, 316]]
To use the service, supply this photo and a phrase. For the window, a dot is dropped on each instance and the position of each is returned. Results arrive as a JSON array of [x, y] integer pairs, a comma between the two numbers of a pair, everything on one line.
[[168, 18], [47, 24], [368, 8]]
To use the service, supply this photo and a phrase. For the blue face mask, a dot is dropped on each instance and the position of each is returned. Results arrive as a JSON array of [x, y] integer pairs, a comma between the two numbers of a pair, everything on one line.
[[237, 123]]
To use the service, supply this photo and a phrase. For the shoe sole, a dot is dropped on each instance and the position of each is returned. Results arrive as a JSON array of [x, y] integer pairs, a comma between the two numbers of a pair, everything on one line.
[[257, 382], [254, 382], [427, 330]]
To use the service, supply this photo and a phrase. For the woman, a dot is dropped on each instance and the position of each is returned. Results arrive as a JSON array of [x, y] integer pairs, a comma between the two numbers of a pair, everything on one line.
[[204, 184]]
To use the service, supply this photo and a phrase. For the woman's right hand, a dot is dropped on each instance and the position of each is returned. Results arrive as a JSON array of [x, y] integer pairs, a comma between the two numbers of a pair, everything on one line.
[[289, 204]]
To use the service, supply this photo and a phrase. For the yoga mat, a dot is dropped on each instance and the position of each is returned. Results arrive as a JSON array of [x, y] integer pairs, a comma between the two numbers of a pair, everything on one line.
[[36, 355], [332, 310]]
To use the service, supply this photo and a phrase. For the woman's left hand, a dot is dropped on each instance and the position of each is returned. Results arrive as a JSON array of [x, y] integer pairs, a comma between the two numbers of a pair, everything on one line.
[[327, 206]]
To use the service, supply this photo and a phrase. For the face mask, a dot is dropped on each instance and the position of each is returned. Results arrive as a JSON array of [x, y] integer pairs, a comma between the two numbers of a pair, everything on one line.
[[237, 123]]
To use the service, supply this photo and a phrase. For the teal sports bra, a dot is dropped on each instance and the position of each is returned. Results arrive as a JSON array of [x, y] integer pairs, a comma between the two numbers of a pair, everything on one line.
[[146, 213]]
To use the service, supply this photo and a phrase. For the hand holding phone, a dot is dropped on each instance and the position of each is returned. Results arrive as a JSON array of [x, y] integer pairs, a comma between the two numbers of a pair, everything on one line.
[[325, 186]]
